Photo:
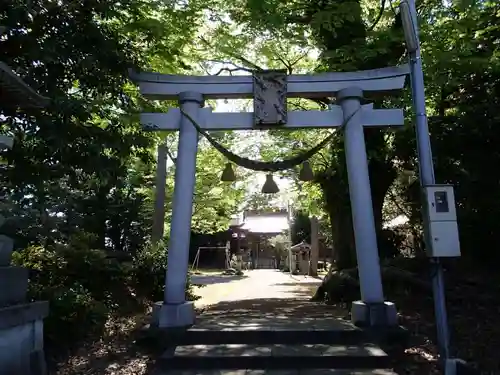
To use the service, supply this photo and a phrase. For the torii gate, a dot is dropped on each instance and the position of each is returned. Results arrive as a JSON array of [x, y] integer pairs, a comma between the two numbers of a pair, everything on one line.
[[269, 90]]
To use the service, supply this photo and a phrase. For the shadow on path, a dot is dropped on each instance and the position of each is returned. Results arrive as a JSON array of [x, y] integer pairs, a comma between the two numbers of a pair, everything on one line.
[[275, 313]]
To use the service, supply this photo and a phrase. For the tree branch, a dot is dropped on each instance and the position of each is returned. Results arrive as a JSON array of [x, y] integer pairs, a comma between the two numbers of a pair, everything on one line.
[[234, 56], [230, 70], [379, 16], [299, 58], [398, 206]]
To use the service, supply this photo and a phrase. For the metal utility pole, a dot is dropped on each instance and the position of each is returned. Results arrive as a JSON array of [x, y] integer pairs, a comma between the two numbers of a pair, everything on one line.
[[426, 167]]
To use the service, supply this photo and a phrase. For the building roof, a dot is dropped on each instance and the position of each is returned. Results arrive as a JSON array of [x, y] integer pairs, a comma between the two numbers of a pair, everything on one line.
[[301, 246], [266, 223], [14, 92]]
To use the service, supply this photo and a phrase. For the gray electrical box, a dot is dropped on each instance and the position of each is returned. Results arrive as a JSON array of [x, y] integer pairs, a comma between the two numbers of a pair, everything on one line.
[[442, 218]]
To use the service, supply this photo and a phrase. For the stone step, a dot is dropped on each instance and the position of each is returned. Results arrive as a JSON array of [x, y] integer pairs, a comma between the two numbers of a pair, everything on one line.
[[248, 334], [280, 372], [274, 357]]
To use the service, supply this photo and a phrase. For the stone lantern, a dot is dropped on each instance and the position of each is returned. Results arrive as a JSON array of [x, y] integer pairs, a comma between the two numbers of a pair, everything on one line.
[[21, 322]]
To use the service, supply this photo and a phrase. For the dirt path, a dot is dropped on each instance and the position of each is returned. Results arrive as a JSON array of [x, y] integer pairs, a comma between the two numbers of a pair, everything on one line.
[[265, 284]]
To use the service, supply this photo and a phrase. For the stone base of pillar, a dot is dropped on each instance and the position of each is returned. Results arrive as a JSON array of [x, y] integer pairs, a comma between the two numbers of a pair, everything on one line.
[[172, 316], [455, 366], [374, 314]]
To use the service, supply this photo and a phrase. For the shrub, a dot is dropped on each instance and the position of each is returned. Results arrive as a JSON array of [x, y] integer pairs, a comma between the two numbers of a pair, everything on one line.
[[74, 309], [339, 286], [390, 241], [149, 270], [149, 267], [85, 288]]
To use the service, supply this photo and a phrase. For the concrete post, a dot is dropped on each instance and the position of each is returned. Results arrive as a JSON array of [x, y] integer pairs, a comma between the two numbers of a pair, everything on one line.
[[175, 311], [314, 246], [372, 309], [159, 210], [239, 257], [290, 216]]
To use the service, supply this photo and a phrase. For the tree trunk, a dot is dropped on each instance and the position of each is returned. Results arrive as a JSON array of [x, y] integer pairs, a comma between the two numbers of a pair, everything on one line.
[[336, 196], [314, 246], [382, 175], [337, 200]]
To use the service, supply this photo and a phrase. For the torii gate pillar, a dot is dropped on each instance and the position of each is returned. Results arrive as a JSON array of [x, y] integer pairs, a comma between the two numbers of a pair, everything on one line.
[[175, 311], [372, 310]]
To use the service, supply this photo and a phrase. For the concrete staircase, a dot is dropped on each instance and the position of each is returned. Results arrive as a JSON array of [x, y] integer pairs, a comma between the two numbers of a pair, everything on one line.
[[247, 349]]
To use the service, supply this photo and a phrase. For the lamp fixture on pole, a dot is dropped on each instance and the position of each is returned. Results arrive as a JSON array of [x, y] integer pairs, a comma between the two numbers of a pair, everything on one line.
[[270, 186], [306, 173], [228, 173], [409, 28]]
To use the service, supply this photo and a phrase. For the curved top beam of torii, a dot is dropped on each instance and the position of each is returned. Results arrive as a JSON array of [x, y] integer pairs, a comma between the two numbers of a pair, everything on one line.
[[373, 82]]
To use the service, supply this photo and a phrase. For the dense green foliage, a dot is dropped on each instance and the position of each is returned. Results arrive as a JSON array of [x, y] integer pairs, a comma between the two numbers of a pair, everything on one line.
[[78, 183], [461, 64], [77, 186]]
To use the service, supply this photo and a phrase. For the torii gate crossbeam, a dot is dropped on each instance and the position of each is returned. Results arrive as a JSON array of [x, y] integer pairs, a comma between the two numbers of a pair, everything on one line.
[[376, 82]]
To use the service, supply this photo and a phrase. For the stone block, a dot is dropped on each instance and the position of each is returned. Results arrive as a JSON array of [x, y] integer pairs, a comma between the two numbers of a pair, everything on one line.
[[21, 349], [14, 281], [456, 366], [6, 247], [38, 365], [374, 314], [12, 316], [173, 316]]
